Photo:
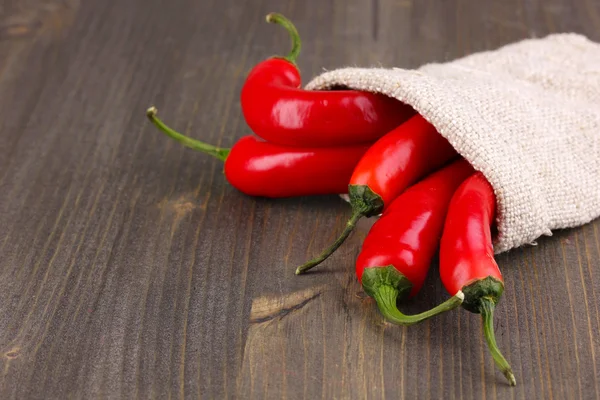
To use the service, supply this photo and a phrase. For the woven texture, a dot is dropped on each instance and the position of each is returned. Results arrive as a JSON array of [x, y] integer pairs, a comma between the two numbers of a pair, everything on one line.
[[526, 115]]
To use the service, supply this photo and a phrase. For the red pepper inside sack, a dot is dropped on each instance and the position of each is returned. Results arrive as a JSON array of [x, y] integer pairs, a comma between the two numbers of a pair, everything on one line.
[[467, 262], [259, 168], [278, 110], [390, 166], [398, 250]]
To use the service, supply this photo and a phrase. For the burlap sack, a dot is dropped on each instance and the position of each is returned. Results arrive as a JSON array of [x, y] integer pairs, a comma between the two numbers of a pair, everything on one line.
[[527, 115]]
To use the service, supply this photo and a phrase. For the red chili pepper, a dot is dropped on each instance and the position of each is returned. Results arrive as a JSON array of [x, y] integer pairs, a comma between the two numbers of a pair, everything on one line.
[[398, 250], [467, 257], [259, 168], [278, 110], [391, 165]]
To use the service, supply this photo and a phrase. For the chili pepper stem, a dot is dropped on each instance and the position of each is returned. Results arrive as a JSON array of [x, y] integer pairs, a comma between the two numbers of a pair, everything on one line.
[[329, 251], [187, 141], [279, 19], [486, 309], [387, 295]]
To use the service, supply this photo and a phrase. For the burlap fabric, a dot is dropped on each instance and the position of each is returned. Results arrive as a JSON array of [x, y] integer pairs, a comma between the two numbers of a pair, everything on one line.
[[527, 115]]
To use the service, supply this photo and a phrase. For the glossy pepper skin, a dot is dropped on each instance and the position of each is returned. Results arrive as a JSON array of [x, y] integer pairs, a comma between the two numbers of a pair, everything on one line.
[[396, 254], [390, 166], [467, 261], [259, 168], [397, 160], [277, 109]]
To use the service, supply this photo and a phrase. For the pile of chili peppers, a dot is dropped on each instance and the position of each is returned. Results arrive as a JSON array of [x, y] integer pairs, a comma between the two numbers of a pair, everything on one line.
[[391, 162]]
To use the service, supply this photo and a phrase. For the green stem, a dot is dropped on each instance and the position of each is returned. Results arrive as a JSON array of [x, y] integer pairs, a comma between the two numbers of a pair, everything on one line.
[[387, 296], [279, 19], [329, 251], [214, 151], [486, 308]]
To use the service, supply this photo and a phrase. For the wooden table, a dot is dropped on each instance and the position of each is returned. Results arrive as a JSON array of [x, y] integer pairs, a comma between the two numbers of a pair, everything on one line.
[[129, 268]]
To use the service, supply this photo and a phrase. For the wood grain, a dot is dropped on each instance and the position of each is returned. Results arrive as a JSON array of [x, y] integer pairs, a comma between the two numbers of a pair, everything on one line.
[[129, 268]]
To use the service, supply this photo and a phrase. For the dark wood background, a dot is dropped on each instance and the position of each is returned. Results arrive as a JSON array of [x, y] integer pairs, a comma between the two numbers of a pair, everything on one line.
[[129, 268]]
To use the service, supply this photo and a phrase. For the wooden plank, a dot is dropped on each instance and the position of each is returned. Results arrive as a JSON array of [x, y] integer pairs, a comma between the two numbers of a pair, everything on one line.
[[129, 268]]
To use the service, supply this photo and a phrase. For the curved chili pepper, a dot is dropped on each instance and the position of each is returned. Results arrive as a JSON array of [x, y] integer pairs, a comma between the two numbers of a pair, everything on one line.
[[278, 110], [391, 165], [396, 254], [259, 168], [467, 257]]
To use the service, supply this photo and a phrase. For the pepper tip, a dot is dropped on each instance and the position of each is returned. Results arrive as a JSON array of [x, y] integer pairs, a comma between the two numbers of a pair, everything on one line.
[[270, 17], [151, 112], [511, 378]]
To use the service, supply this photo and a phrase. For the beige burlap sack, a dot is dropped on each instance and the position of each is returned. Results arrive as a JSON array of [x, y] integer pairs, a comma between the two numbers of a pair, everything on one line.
[[526, 115]]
